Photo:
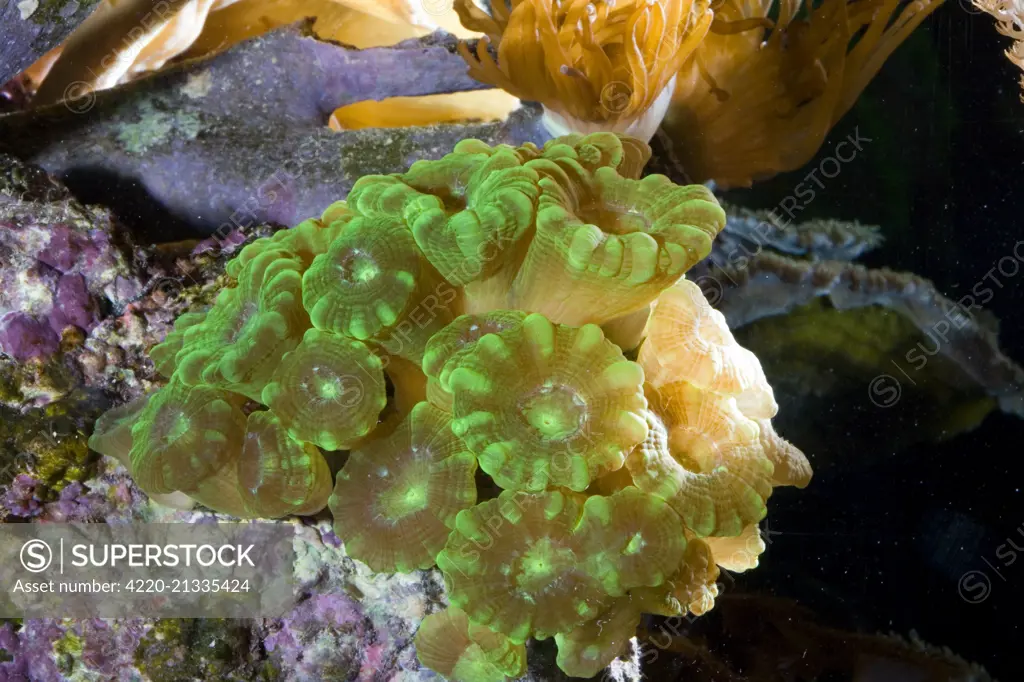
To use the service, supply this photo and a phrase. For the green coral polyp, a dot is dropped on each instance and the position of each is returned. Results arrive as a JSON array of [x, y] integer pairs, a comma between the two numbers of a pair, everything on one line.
[[277, 474], [635, 540], [184, 436], [239, 341], [364, 281], [396, 499], [463, 651], [445, 349], [547, 405], [304, 242], [461, 323], [164, 354], [608, 245], [328, 391], [531, 582], [555, 412]]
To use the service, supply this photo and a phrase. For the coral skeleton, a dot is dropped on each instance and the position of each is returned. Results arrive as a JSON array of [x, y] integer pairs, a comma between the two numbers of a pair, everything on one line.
[[525, 389]]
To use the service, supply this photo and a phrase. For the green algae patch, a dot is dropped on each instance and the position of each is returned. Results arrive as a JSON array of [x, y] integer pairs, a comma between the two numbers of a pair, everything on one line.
[[202, 649], [156, 127]]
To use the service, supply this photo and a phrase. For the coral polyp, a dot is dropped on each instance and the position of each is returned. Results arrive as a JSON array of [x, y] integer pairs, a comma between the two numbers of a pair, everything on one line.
[[501, 351], [544, 405], [396, 499]]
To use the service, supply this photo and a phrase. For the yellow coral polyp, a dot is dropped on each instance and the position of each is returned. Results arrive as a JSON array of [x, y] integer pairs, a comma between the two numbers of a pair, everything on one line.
[[587, 649], [704, 458], [738, 553], [1010, 17], [594, 66], [693, 588], [790, 465], [396, 498], [766, 85], [544, 405], [689, 340]]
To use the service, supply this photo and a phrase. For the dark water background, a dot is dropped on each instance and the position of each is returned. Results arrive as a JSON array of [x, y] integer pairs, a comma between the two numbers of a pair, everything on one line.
[[883, 543]]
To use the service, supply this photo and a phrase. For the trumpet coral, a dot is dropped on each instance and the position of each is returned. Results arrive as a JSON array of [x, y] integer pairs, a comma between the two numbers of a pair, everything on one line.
[[594, 66], [328, 391], [631, 462], [396, 498], [453, 645], [249, 327], [544, 406], [615, 241]]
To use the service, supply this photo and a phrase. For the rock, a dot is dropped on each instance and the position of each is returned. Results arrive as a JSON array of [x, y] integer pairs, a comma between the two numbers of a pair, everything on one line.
[[62, 264]]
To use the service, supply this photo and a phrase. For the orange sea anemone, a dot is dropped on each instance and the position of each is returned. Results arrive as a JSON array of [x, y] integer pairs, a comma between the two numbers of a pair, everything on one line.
[[763, 90], [595, 66], [1010, 15]]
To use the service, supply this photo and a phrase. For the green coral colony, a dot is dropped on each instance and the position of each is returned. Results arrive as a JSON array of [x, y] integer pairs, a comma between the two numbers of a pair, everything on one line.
[[478, 311]]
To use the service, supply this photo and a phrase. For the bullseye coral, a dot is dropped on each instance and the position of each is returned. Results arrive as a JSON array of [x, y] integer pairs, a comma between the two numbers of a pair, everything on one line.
[[385, 328]]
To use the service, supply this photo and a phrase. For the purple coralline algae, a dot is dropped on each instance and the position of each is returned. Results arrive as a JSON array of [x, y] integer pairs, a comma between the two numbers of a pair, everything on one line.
[[24, 336], [21, 499], [61, 263]]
